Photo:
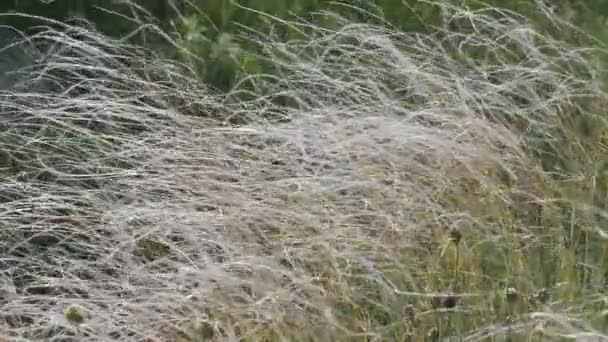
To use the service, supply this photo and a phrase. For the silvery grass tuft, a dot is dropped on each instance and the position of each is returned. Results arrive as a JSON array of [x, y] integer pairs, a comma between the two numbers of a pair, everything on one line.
[[130, 210]]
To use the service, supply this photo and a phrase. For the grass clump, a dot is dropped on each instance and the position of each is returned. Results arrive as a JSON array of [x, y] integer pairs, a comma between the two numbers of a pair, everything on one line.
[[416, 186]]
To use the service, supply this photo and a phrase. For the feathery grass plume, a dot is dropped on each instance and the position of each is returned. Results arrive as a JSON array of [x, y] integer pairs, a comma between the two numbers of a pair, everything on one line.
[[121, 192]]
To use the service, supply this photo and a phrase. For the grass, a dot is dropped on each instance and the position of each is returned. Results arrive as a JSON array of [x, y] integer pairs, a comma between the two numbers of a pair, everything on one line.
[[419, 187]]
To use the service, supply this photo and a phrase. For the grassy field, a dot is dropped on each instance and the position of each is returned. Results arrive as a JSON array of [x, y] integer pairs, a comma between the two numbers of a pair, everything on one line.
[[380, 186]]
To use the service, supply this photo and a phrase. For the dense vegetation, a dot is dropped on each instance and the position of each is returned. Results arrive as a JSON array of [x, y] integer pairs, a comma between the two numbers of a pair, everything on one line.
[[217, 32], [305, 171]]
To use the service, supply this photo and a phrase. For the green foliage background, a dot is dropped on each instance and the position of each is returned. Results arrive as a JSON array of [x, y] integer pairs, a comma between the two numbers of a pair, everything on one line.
[[212, 29]]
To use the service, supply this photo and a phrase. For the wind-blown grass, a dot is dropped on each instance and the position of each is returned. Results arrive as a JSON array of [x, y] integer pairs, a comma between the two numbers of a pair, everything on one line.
[[417, 186]]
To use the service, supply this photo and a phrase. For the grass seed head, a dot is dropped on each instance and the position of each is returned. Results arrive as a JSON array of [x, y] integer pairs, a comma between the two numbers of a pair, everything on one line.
[[74, 314], [511, 294], [455, 235], [542, 296], [446, 301], [409, 311]]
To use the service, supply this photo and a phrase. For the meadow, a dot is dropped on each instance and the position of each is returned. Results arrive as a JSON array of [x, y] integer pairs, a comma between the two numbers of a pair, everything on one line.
[[378, 185]]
